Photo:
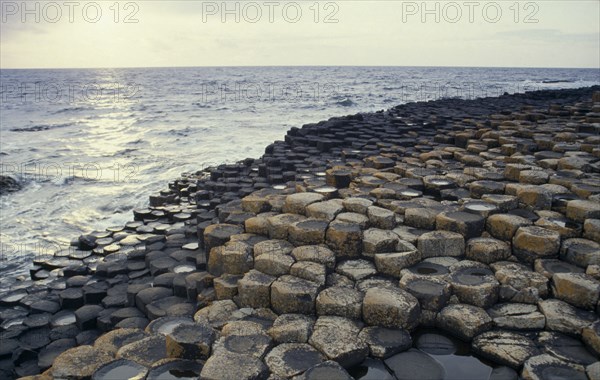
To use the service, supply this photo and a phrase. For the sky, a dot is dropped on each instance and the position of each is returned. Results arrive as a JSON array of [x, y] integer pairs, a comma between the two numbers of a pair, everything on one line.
[[83, 34]]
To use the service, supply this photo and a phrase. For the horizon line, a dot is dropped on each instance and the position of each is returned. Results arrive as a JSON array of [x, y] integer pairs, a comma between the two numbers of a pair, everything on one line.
[[279, 66]]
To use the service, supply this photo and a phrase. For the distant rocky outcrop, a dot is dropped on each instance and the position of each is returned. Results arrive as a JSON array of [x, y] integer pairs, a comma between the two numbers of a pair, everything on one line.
[[8, 185]]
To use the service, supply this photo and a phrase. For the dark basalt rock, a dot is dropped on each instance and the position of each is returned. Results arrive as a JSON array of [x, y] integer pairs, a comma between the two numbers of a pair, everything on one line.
[[71, 298], [8, 185], [566, 348], [86, 316], [468, 224], [384, 342], [326, 370], [133, 323], [34, 339], [51, 351]]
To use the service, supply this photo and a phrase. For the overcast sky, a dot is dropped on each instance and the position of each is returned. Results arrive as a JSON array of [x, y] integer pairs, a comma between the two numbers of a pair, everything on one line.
[[511, 33]]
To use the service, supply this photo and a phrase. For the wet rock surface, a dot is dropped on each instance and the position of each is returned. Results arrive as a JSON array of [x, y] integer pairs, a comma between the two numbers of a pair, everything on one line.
[[8, 184], [322, 258]]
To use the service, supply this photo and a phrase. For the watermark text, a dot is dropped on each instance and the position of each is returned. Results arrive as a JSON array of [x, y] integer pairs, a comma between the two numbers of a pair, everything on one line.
[[470, 11], [69, 11]]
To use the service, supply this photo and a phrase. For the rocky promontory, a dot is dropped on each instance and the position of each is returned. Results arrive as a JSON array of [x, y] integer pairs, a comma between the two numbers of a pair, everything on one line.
[[452, 239]]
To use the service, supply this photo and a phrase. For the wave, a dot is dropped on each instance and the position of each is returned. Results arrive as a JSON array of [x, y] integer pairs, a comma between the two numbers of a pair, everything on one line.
[[41, 127], [73, 109], [120, 153], [178, 132], [551, 81], [201, 105], [68, 180], [346, 102]]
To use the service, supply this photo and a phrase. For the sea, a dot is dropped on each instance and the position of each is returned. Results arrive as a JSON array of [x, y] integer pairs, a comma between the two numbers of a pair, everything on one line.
[[90, 145]]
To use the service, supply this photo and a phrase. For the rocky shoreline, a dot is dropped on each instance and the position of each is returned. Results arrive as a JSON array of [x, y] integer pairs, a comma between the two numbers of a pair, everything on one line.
[[477, 218]]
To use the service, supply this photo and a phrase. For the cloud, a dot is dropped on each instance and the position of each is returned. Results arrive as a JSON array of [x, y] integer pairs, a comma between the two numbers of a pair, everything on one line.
[[368, 33], [548, 35]]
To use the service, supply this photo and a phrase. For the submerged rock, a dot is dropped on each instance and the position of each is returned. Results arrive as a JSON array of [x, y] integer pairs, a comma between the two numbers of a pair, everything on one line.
[[120, 369], [415, 364]]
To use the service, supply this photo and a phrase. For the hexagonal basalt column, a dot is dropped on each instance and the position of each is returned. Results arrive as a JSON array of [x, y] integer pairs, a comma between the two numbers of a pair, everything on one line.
[[343, 302], [467, 224], [308, 232], [441, 243], [337, 338], [291, 294], [255, 289], [345, 239], [532, 242], [391, 308], [464, 321], [475, 286], [297, 203]]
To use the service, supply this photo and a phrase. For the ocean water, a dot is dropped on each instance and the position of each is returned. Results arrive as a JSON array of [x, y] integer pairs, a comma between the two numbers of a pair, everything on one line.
[[89, 145]]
